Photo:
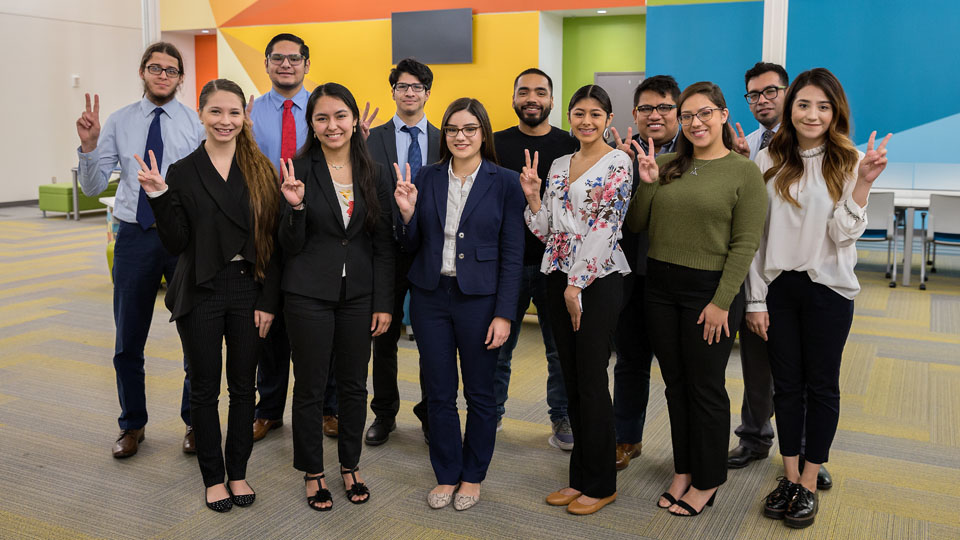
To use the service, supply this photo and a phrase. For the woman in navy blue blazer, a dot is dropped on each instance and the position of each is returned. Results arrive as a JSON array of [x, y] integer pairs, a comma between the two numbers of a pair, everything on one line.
[[463, 221]]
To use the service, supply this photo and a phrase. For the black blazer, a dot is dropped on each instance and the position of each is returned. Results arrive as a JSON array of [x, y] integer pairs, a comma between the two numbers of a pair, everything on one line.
[[316, 245], [207, 222]]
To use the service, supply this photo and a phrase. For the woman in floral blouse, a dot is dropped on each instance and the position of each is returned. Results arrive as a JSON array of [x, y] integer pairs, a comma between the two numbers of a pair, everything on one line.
[[579, 220]]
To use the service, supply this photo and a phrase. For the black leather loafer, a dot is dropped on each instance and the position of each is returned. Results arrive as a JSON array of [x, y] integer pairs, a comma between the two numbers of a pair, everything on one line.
[[741, 456], [824, 480], [379, 431]]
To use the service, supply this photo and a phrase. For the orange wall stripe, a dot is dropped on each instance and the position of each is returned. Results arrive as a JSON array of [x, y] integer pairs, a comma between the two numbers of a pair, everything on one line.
[[304, 11], [205, 49]]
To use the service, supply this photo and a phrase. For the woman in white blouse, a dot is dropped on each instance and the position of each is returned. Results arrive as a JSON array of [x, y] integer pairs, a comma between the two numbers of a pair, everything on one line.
[[579, 220], [801, 284]]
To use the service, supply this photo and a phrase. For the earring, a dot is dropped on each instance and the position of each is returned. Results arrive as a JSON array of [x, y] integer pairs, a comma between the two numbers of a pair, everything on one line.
[[606, 134]]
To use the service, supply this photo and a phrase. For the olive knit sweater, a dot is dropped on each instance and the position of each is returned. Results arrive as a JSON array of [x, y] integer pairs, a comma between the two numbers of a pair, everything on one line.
[[709, 221]]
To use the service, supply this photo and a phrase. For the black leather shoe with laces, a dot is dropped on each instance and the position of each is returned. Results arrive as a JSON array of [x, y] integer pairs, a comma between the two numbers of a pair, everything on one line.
[[776, 503], [802, 510]]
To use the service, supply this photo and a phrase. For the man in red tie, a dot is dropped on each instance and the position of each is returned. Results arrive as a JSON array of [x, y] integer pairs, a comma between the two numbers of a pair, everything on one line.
[[280, 128]]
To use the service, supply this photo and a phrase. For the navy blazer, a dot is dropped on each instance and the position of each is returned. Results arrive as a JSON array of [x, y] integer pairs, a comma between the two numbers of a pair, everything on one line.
[[489, 238]]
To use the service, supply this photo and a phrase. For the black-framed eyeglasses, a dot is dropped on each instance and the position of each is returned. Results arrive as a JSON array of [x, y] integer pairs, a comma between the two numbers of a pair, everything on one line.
[[453, 131], [703, 114], [663, 108], [294, 59], [157, 69], [416, 87], [769, 92]]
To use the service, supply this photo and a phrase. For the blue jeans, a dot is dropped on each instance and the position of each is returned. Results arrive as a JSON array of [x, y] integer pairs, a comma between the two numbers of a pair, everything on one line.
[[533, 285], [139, 260], [631, 373]]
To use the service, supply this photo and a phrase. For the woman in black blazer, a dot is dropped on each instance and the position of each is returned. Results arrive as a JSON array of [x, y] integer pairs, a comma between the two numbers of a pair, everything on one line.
[[337, 282], [217, 210]]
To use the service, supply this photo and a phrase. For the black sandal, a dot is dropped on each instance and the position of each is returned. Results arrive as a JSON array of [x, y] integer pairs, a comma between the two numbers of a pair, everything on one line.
[[321, 496], [359, 489], [670, 499]]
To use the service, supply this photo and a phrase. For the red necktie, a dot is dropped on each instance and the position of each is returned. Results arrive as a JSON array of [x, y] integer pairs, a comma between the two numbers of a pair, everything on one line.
[[288, 137]]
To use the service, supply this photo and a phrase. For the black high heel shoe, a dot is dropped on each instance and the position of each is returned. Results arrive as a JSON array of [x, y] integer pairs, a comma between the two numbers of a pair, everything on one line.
[[223, 505], [242, 500], [358, 489], [692, 512], [321, 496]]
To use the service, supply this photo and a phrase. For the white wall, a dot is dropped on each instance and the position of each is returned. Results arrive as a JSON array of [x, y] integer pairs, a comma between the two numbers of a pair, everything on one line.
[[551, 60]]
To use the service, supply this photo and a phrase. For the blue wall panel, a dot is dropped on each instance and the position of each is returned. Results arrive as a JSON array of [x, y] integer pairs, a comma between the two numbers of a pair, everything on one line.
[[707, 42]]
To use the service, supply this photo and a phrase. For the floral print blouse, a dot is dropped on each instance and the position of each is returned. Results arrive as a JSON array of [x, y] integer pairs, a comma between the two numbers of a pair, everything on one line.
[[580, 220]]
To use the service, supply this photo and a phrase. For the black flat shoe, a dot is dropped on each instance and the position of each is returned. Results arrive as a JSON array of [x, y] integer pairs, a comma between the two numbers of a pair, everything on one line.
[[242, 500], [688, 508], [223, 505], [741, 456], [379, 431], [824, 480], [802, 510], [321, 496], [777, 501], [358, 489]]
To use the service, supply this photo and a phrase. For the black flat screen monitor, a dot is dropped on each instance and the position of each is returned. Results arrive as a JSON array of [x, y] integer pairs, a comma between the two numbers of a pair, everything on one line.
[[442, 36]]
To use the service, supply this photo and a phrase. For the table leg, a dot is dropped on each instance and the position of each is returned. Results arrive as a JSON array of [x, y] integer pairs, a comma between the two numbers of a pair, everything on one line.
[[76, 197], [908, 217]]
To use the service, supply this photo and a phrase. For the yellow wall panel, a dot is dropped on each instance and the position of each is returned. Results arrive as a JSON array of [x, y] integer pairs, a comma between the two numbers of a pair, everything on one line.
[[186, 15]]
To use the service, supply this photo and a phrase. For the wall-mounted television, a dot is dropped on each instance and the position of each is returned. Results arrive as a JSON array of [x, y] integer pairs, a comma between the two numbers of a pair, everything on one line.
[[441, 36]]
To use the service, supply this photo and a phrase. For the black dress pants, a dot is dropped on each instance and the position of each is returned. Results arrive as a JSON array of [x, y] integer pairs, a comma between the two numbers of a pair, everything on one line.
[[584, 357], [809, 324], [693, 371], [226, 314], [317, 329]]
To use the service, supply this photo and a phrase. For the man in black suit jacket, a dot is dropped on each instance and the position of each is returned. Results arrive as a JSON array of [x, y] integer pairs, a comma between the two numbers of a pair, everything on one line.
[[407, 139]]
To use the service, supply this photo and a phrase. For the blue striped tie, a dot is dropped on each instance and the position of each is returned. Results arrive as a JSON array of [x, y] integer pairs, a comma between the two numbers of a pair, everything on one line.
[[414, 156]]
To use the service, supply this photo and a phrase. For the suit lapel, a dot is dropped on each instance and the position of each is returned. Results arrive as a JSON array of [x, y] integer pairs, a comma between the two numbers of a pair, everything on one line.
[[389, 141], [229, 203], [440, 189], [324, 183], [433, 143], [480, 186]]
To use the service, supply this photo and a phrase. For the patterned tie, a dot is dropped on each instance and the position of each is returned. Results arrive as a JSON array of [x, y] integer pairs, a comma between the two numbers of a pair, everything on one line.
[[288, 137], [414, 157], [154, 142], [765, 139]]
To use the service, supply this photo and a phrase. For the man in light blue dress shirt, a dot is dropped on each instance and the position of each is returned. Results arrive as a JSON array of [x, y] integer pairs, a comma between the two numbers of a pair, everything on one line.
[[139, 258]]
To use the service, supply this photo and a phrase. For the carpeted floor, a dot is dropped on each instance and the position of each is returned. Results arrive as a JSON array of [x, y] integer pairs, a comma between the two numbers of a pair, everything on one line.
[[895, 461]]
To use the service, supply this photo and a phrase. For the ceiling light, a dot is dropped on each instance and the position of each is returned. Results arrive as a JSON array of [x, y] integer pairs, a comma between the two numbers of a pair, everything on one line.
[[602, 11], [204, 31]]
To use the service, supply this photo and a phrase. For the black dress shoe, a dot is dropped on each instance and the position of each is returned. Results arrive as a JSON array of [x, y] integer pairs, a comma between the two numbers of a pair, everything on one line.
[[802, 510], [824, 480], [776, 503], [741, 456], [379, 431]]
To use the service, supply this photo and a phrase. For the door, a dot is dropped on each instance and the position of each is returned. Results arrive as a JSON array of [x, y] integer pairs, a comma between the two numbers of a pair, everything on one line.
[[620, 86]]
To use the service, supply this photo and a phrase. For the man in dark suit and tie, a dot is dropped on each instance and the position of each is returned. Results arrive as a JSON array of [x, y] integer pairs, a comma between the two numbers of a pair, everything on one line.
[[407, 139]]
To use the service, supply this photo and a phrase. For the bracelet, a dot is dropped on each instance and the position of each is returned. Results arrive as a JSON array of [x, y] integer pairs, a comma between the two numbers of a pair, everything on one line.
[[851, 213], [301, 206]]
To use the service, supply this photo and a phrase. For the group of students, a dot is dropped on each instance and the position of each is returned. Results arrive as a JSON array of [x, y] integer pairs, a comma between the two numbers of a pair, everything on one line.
[[287, 223]]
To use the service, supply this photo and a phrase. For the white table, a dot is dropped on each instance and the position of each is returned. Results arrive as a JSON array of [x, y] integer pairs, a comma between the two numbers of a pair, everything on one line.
[[909, 201]]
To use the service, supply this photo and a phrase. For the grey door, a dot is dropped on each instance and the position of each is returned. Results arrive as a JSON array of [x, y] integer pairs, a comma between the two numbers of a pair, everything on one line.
[[620, 86]]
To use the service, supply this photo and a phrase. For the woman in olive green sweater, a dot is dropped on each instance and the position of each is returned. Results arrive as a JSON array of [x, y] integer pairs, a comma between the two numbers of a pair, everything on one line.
[[704, 208]]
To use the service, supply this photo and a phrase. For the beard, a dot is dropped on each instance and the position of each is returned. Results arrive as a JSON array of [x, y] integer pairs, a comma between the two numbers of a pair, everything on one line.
[[159, 98], [534, 121]]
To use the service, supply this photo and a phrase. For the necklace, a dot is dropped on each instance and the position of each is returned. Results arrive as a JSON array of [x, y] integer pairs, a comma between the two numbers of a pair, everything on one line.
[[336, 167], [697, 168]]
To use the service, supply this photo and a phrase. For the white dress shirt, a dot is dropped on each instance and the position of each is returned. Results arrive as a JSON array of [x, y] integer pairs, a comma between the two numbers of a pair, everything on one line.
[[754, 138], [457, 194]]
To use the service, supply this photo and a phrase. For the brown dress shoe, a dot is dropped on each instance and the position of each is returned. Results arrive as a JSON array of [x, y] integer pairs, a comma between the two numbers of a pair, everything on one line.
[[579, 509], [189, 442], [261, 426], [331, 426], [128, 442], [626, 452]]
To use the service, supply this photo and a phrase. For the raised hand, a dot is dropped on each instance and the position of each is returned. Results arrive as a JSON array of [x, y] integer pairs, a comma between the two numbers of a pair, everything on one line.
[[647, 166], [88, 125], [874, 161], [249, 111], [624, 144], [740, 145], [529, 178], [365, 122], [291, 188], [405, 194], [149, 177]]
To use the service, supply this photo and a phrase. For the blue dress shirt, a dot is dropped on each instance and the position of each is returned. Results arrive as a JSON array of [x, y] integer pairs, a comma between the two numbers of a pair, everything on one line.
[[267, 117], [125, 134], [403, 141]]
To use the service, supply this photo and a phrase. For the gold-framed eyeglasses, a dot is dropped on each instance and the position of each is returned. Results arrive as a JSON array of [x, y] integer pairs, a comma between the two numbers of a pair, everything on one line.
[[704, 115]]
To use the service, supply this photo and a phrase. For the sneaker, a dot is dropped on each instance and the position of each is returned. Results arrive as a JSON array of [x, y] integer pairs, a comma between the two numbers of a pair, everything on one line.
[[562, 437]]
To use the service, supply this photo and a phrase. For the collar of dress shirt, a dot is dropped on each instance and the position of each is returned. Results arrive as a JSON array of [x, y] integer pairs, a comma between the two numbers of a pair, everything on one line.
[[299, 100], [398, 123], [470, 177], [147, 106]]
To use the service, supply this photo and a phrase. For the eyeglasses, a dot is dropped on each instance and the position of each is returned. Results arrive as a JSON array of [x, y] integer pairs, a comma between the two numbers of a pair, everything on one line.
[[703, 114], [294, 59], [156, 69], [769, 92], [416, 87], [663, 108], [453, 131]]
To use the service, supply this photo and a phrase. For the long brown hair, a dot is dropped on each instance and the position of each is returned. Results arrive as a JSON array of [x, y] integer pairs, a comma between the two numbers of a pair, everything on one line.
[[684, 149], [474, 107], [362, 165], [260, 176], [840, 156]]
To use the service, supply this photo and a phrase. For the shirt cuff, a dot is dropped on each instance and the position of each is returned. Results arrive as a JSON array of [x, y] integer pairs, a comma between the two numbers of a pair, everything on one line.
[[155, 194], [854, 210], [755, 306]]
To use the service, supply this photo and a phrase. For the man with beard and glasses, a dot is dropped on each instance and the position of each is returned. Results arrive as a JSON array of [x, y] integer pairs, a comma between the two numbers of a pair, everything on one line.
[[280, 128], [655, 115], [160, 124], [533, 101]]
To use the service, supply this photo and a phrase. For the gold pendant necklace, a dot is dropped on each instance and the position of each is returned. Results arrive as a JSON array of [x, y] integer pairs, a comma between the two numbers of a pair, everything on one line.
[[695, 169], [336, 167]]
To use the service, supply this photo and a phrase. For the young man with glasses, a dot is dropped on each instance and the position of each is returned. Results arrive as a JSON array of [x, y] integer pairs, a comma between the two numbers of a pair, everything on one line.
[[655, 114], [532, 102], [766, 85], [280, 128], [407, 139], [171, 130]]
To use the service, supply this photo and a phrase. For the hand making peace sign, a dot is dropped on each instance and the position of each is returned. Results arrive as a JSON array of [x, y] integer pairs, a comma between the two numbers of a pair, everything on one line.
[[740, 145], [405, 194], [88, 125], [530, 180], [624, 145], [149, 177], [249, 110], [647, 166], [874, 161], [291, 188], [365, 121]]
